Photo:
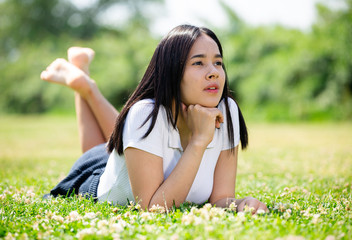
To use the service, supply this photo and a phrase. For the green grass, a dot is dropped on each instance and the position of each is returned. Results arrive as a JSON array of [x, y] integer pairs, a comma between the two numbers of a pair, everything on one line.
[[301, 171]]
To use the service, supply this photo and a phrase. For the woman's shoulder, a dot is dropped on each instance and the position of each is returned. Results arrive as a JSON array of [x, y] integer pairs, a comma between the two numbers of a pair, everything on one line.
[[142, 109], [143, 105]]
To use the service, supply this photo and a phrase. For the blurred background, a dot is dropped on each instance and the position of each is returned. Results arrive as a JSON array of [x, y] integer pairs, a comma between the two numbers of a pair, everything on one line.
[[286, 60]]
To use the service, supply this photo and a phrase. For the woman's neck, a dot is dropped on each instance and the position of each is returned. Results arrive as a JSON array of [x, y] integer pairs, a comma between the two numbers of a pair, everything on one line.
[[184, 131]]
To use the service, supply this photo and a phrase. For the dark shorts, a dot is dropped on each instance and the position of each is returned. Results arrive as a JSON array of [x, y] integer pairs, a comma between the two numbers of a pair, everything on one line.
[[84, 175]]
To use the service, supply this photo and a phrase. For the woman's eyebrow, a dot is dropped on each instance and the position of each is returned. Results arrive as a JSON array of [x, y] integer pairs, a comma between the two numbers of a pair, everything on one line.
[[203, 56]]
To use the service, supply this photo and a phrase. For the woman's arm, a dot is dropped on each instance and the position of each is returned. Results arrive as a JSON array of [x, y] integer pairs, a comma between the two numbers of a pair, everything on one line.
[[223, 193], [146, 170], [147, 178]]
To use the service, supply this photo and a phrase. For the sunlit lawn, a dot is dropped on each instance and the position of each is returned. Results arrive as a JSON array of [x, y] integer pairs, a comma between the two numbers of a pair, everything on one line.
[[303, 172]]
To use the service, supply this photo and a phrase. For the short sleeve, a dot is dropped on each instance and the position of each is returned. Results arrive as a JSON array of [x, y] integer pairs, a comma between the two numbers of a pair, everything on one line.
[[235, 123], [134, 130]]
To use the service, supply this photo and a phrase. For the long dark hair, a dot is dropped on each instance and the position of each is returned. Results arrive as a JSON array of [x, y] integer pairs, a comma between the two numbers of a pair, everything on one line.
[[161, 82]]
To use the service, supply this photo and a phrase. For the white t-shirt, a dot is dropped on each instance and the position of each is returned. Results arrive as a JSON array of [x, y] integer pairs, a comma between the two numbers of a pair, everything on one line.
[[163, 141]]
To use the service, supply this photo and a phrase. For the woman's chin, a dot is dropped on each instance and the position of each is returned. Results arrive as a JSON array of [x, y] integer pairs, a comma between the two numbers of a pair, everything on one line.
[[207, 104]]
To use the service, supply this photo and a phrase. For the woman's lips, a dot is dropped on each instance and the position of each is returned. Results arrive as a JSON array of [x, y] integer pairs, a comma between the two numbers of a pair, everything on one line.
[[212, 88]]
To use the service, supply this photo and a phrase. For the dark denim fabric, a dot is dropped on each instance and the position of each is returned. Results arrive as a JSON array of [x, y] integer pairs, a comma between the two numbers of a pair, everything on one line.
[[84, 175]]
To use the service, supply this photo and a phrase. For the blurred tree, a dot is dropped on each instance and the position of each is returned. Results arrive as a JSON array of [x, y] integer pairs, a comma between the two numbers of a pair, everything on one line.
[[282, 73], [332, 36], [33, 20], [34, 32]]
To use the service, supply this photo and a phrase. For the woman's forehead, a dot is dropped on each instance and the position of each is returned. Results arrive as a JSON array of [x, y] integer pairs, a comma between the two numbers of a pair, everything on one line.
[[204, 45]]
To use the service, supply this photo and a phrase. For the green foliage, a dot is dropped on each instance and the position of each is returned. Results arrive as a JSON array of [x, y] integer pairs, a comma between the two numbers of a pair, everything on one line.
[[121, 55], [282, 74], [276, 73]]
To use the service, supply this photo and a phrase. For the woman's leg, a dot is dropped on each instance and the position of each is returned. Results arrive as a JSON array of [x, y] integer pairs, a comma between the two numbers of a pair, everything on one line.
[[89, 131], [94, 109]]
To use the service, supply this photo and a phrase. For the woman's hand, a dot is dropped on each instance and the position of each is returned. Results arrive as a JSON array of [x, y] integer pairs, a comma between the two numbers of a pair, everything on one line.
[[251, 202], [202, 122]]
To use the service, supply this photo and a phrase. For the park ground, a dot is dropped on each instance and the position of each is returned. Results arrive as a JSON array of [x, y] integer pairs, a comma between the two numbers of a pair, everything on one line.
[[302, 171]]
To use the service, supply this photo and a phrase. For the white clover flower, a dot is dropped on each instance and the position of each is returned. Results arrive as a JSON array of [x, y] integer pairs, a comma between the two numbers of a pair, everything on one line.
[[116, 218], [48, 214], [187, 219], [306, 212], [287, 215], [17, 197], [260, 212], [233, 206], [149, 227], [209, 228], [7, 192], [117, 227], [85, 232], [43, 225], [216, 219], [281, 207], [116, 236], [141, 237], [157, 209], [174, 237], [73, 216], [322, 210], [330, 237], [305, 191], [9, 237], [89, 215], [248, 209], [127, 214], [30, 193], [102, 224], [146, 216], [283, 194], [123, 223], [58, 218], [131, 205], [204, 213], [207, 206], [194, 210], [316, 218], [138, 206], [296, 206], [241, 217], [198, 220], [215, 211], [35, 226]]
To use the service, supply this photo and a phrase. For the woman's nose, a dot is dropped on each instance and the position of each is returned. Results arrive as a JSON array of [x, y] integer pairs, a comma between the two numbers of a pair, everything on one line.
[[213, 73]]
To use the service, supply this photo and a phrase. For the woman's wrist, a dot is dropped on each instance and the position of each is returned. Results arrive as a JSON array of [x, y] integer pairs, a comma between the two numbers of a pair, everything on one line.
[[200, 141], [198, 144]]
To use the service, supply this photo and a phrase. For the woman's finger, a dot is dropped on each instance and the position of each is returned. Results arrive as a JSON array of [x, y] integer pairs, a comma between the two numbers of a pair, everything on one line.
[[219, 118], [262, 208]]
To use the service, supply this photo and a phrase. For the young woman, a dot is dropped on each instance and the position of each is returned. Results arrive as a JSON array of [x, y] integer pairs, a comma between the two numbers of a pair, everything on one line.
[[175, 140]]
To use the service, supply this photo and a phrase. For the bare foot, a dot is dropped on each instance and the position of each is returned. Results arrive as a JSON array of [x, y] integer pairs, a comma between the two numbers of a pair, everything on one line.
[[62, 72], [80, 57]]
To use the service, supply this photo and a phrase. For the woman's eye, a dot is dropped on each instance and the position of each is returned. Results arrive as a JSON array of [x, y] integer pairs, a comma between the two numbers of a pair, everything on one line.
[[197, 63], [218, 63]]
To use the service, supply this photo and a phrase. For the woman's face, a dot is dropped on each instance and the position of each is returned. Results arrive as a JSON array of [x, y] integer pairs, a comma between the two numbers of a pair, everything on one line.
[[204, 77]]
